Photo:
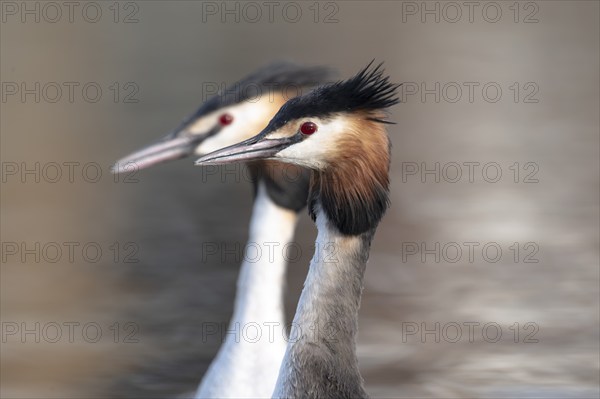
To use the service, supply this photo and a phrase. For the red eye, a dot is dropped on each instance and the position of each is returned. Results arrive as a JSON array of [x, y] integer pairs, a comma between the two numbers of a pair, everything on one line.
[[225, 119], [308, 128]]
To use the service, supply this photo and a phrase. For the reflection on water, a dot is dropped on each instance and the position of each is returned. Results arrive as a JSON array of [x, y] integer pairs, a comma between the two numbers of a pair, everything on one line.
[[419, 292]]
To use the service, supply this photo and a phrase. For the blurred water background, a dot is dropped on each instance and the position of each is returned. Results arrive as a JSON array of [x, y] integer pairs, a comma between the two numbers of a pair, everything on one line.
[[544, 57]]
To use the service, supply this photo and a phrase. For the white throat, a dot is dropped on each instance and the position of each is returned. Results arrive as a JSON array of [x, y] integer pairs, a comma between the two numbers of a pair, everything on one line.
[[248, 361]]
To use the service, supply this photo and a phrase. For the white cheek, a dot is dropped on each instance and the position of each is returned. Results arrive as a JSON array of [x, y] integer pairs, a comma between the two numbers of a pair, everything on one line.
[[248, 120], [229, 135], [315, 150], [307, 153], [202, 125]]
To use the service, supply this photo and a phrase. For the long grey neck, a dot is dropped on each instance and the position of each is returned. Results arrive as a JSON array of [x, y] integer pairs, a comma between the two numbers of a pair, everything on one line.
[[320, 360]]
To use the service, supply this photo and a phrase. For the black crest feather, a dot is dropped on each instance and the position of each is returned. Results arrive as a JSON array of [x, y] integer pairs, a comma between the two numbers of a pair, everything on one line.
[[276, 76], [367, 90]]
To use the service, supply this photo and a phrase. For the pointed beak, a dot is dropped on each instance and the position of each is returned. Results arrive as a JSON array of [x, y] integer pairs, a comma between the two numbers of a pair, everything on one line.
[[170, 148], [250, 150]]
